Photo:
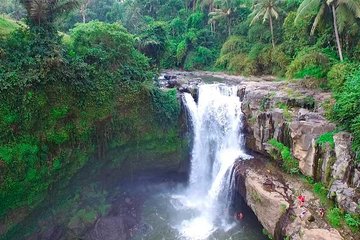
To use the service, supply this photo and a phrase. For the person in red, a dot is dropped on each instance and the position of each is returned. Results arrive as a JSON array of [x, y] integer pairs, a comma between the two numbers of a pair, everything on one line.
[[301, 200], [239, 216]]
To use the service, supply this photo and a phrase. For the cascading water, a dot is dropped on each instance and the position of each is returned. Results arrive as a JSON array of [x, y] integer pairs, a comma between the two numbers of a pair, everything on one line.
[[218, 143]]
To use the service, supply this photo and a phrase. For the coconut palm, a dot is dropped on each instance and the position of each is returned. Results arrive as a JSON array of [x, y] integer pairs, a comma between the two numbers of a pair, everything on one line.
[[224, 9], [46, 11], [266, 10], [344, 12]]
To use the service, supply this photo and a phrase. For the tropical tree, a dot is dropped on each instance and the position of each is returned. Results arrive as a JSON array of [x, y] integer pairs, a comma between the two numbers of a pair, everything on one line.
[[266, 10], [344, 12], [224, 9], [41, 12]]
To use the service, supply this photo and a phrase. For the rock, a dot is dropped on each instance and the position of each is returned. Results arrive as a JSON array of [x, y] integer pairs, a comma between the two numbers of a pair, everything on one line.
[[321, 234], [327, 156], [342, 165], [303, 135], [109, 228], [266, 204], [345, 196], [172, 83], [241, 93], [356, 178], [169, 77]]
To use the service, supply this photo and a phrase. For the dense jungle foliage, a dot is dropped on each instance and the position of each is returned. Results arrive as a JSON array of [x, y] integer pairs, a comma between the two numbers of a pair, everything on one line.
[[68, 66], [67, 98]]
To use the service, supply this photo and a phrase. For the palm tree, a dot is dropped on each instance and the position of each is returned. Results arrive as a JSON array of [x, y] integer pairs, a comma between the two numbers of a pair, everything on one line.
[[46, 11], [224, 10], [266, 9], [343, 12]]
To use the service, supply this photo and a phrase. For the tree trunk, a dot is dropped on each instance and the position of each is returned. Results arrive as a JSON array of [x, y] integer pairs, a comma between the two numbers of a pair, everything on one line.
[[229, 27], [338, 44], [272, 31]]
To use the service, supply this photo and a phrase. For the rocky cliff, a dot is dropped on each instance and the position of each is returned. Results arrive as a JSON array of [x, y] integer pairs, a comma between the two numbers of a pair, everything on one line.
[[295, 117]]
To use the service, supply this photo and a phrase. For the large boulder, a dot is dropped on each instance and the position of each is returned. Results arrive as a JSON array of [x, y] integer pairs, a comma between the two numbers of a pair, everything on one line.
[[266, 200], [348, 198], [321, 234], [303, 135], [344, 158]]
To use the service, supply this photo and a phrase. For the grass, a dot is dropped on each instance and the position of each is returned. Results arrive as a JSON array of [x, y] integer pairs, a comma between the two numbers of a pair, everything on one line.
[[7, 25]]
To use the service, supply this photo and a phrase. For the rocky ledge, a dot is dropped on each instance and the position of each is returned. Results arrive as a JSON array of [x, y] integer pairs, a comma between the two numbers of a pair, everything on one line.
[[273, 198]]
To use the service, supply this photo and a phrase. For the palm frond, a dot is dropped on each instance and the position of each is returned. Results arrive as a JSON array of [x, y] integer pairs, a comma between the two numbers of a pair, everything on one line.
[[307, 6], [317, 19]]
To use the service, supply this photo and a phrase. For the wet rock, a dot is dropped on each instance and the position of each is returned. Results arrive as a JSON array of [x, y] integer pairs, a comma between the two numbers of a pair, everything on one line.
[[109, 228], [169, 77], [241, 93], [321, 234], [344, 158], [172, 83]]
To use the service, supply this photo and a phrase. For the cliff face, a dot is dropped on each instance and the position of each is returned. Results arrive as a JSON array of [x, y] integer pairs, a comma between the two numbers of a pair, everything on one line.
[[272, 197], [295, 117]]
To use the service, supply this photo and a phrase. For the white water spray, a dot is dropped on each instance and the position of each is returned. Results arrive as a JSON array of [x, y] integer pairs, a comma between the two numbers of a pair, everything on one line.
[[218, 143]]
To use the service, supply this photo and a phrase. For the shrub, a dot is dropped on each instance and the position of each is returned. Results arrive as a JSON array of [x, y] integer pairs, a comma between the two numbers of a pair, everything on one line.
[[234, 45], [309, 64], [334, 217], [241, 64], [181, 52], [338, 74], [347, 108], [353, 221], [289, 163], [327, 137], [199, 59]]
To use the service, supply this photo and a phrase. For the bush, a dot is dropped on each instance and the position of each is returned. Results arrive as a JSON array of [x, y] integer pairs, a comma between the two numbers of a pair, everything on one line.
[[234, 45], [347, 108], [334, 217], [309, 64], [327, 137], [353, 221], [289, 163], [200, 59], [338, 73]]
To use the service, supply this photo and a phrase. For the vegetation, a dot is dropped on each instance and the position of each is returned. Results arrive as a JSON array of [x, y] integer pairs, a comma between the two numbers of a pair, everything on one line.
[[326, 138], [289, 163], [62, 93], [58, 100]]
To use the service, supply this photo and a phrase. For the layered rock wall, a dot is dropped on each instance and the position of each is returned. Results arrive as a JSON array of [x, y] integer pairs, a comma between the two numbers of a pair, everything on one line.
[[297, 120]]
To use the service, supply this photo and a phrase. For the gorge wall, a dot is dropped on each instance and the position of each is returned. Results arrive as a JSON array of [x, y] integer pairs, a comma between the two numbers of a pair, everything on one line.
[[295, 117]]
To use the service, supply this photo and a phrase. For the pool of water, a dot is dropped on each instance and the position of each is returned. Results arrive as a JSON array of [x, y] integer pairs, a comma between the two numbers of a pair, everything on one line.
[[168, 213]]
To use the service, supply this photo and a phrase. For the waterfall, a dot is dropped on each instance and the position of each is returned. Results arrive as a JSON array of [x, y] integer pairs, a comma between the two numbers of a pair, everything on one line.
[[218, 143]]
